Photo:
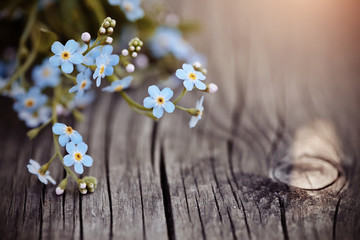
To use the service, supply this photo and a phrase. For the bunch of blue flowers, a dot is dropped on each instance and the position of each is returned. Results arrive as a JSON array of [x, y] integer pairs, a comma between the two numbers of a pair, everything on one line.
[[66, 81]]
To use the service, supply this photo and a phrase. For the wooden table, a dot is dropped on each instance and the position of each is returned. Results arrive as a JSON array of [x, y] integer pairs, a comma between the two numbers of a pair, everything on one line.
[[286, 118]]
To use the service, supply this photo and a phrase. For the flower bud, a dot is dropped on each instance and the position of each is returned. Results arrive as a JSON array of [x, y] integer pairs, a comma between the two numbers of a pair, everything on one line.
[[83, 191], [108, 19], [86, 37], [112, 23], [59, 191], [212, 88], [197, 65], [125, 52], [130, 68], [109, 40], [106, 24], [82, 185], [110, 30], [134, 54], [102, 31], [132, 48], [138, 48]]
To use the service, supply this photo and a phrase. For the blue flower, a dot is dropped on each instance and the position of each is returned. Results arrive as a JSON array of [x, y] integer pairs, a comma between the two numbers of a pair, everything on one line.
[[83, 101], [119, 85], [77, 157], [164, 41], [159, 101], [105, 62], [131, 8], [34, 168], [36, 118], [83, 83], [89, 58], [66, 55], [45, 75], [30, 101], [191, 77], [66, 133], [200, 108]]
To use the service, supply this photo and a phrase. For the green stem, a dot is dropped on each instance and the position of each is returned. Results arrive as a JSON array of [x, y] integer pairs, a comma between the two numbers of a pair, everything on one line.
[[191, 111], [132, 102], [94, 45], [180, 96], [92, 67], [69, 76]]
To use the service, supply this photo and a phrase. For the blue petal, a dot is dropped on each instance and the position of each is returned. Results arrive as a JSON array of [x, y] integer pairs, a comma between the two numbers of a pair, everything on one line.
[[149, 102], [169, 106], [154, 91], [167, 93], [55, 61], [78, 167], [73, 89], [158, 111], [114, 60], [181, 74], [82, 147], [87, 161], [188, 68], [58, 128], [98, 81], [70, 147], [67, 67], [71, 46], [107, 50], [127, 81], [76, 58], [114, 2], [57, 47], [76, 137], [200, 85], [200, 75], [193, 121], [68, 160], [188, 84], [64, 139], [108, 89], [109, 70]]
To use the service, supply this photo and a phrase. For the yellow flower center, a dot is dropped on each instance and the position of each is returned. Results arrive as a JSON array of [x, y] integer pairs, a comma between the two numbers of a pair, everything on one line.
[[29, 102], [40, 172], [83, 84], [78, 156], [65, 55], [128, 7], [69, 130], [46, 72], [192, 76], [160, 100], [119, 88], [35, 114], [102, 69]]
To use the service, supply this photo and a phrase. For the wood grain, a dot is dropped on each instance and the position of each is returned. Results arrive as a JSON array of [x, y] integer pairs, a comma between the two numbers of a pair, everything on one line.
[[284, 69]]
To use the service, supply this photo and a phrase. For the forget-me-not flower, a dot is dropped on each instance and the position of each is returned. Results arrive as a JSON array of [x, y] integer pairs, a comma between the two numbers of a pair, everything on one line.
[[66, 133], [131, 8], [35, 118], [119, 85], [104, 64], [34, 168], [159, 101], [165, 40], [66, 55], [77, 157], [200, 108], [191, 77], [83, 83], [45, 75], [30, 101], [89, 58]]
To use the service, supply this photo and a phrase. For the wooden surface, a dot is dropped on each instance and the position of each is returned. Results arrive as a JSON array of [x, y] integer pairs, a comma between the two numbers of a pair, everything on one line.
[[288, 73]]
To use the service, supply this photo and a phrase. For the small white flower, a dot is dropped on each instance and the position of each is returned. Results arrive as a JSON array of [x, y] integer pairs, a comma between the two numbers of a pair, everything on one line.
[[125, 52], [34, 168], [130, 68], [213, 88], [86, 37], [59, 191], [142, 61], [197, 65]]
